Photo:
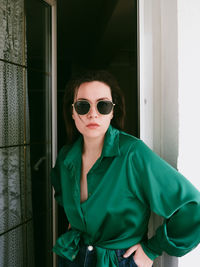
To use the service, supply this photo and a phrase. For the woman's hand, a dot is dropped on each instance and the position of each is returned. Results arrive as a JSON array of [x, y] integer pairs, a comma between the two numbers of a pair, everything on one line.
[[140, 258]]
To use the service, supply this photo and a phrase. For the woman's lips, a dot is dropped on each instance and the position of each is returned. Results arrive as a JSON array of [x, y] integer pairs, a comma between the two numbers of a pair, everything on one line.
[[92, 125]]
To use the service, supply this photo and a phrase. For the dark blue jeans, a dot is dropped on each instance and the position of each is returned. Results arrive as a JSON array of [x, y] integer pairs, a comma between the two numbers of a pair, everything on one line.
[[86, 258]]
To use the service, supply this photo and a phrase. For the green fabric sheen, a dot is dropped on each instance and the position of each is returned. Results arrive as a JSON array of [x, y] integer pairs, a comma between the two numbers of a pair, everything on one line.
[[125, 184]]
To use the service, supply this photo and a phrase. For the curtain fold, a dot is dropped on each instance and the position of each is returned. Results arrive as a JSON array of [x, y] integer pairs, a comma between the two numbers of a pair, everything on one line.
[[15, 178]]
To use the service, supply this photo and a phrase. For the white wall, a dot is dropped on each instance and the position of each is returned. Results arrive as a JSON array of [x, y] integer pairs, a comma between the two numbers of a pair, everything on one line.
[[170, 91], [159, 76], [189, 88], [189, 100], [146, 71], [159, 86]]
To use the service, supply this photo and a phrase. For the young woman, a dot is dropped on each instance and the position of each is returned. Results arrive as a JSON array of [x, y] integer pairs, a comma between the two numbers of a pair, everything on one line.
[[108, 183]]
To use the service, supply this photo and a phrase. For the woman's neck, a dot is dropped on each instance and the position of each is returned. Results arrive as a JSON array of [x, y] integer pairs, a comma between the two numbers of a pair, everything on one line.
[[93, 146]]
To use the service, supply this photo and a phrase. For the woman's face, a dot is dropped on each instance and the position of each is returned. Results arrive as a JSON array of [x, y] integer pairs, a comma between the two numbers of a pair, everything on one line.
[[93, 124]]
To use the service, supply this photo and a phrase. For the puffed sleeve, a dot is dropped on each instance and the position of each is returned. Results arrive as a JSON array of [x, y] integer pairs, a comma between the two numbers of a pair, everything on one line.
[[170, 195], [56, 173]]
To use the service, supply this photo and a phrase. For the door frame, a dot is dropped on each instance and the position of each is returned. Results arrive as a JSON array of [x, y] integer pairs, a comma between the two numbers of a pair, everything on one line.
[[53, 4], [158, 86]]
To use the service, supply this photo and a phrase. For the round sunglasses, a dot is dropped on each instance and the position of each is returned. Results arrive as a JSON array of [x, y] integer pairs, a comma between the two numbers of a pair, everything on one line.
[[104, 107]]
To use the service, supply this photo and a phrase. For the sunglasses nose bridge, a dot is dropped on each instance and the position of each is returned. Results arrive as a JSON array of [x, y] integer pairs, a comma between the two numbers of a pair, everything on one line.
[[93, 110]]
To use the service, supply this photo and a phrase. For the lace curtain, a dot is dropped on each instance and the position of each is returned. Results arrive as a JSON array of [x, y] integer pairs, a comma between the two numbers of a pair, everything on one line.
[[16, 237]]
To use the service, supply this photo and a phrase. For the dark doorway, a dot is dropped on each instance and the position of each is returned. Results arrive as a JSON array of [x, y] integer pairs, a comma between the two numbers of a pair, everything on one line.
[[38, 37], [98, 34]]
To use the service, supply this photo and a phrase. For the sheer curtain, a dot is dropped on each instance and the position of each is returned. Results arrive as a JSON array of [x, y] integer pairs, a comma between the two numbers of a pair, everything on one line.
[[16, 243]]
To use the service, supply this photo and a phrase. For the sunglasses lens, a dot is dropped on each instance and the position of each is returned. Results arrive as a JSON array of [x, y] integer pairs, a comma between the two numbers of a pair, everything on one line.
[[82, 107], [104, 107]]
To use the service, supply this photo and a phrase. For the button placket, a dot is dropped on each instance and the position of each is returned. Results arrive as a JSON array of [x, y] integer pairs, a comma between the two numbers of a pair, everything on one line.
[[90, 248]]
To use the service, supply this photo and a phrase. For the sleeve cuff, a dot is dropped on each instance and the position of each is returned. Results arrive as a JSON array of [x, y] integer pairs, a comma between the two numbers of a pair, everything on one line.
[[160, 242], [146, 246]]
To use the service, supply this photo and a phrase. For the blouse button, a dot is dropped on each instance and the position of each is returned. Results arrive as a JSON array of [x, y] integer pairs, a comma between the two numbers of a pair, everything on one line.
[[90, 248]]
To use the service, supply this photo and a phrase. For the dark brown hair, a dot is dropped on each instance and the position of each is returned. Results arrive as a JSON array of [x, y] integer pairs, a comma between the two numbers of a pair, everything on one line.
[[72, 88]]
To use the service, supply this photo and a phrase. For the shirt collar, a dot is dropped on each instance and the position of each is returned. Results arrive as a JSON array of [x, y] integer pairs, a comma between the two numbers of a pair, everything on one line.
[[110, 147], [74, 153], [111, 143]]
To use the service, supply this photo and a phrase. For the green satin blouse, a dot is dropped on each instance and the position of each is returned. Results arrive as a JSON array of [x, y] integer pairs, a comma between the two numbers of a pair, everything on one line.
[[125, 184]]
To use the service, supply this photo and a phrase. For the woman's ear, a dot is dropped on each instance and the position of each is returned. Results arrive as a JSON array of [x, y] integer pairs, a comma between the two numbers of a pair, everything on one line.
[[112, 115], [72, 110], [72, 114]]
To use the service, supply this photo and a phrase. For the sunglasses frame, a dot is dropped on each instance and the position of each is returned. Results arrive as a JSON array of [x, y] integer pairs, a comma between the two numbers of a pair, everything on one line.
[[73, 105]]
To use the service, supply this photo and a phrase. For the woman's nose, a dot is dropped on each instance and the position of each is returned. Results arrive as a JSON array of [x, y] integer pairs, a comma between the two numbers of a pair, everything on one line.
[[93, 111]]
